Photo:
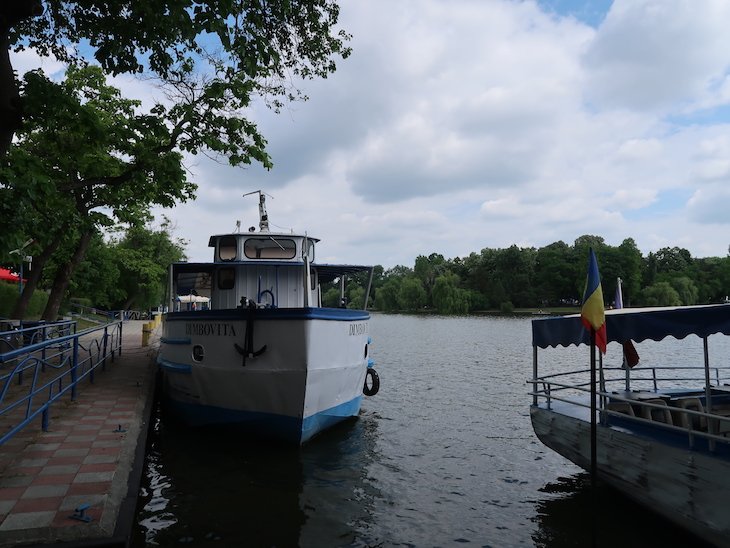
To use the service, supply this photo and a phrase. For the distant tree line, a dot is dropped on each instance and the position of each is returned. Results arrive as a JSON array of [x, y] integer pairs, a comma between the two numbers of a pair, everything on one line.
[[551, 276]]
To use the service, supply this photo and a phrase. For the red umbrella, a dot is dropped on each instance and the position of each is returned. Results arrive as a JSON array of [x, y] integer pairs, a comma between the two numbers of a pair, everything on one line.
[[8, 276]]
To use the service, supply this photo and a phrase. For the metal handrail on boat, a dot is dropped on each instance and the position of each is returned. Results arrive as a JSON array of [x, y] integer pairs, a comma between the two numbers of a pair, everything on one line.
[[717, 424]]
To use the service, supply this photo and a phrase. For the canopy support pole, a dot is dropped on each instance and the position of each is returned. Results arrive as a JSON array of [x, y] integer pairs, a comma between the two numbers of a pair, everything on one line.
[[711, 425], [534, 375]]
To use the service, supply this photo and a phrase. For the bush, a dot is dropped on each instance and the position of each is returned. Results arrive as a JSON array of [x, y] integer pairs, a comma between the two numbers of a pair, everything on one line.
[[507, 307], [9, 296]]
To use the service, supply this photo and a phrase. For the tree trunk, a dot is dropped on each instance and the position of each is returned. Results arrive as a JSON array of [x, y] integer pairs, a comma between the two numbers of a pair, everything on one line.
[[63, 277], [11, 13], [39, 262]]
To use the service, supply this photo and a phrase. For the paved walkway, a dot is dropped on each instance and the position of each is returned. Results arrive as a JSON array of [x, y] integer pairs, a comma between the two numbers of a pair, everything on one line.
[[92, 454]]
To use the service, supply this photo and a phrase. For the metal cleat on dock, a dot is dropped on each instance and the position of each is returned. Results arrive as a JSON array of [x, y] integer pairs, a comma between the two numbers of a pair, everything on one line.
[[80, 513]]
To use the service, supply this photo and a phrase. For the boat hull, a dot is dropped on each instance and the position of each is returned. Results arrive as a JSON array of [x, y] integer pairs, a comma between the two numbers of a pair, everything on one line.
[[688, 487], [304, 371]]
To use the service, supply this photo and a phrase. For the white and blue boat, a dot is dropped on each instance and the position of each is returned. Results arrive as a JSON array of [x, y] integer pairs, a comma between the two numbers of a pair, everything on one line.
[[658, 432], [264, 354]]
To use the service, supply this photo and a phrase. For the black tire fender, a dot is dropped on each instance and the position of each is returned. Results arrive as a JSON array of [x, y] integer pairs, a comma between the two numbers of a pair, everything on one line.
[[374, 383]]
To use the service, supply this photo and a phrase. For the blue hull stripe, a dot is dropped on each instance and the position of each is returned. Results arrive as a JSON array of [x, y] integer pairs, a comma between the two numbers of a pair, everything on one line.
[[170, 340], [264, 314], [174, 367], [266, 425]]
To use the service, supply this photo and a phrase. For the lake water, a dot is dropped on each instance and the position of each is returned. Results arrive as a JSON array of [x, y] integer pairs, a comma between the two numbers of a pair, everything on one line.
[[443, 455]]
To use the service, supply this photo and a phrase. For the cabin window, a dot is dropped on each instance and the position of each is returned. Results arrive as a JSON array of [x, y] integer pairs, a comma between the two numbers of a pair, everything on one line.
[[270, 248], [227, 248], [226, 278]]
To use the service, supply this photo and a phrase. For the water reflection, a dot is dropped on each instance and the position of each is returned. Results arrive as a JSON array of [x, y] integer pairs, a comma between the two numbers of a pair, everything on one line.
[[210, 488], [444, 455], [571, 516]]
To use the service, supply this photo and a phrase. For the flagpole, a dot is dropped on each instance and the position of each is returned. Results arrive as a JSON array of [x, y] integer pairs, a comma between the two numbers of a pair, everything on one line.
[[594, 455], [625, 364], [594, 459]]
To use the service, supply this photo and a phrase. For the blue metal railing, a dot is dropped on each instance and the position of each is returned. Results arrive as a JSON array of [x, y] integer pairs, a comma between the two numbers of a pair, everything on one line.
[[41, 364], [89, 312]]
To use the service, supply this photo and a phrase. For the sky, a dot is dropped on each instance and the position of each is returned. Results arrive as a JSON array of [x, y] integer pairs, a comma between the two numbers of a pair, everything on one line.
[[458, 125]]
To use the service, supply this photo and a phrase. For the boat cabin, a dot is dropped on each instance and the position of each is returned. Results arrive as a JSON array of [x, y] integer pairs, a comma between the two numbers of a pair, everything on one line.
[[265, 269]]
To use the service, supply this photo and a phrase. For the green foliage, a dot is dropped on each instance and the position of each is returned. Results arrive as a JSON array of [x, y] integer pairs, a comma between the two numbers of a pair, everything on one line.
[[507, 307], [212, 58], [411, 294], [331, 298], [661, 294], [87, 157], [686, 289], [552, 276], [9, 296], [386, 297], [355, 297], [97, 282], [448, 297], [133, 272]]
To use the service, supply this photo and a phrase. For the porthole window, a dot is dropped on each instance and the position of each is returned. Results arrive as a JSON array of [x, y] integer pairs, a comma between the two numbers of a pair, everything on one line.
[[198, 353], [227, 248]]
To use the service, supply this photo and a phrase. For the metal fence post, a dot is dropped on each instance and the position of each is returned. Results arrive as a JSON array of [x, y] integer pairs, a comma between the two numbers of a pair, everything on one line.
[[43, 352], [106, 336], [74, 365]]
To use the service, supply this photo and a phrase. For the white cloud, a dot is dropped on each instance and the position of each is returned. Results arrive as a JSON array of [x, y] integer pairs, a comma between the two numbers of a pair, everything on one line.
[[710, 205], [28, 59], [466, 124], [655, 54]]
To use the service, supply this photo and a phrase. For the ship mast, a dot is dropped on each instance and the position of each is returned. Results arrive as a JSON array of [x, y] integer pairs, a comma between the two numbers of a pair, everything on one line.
[[263, 215]]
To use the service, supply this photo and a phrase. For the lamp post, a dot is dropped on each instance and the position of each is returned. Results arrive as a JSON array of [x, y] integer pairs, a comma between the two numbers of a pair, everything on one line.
[[23, 258]]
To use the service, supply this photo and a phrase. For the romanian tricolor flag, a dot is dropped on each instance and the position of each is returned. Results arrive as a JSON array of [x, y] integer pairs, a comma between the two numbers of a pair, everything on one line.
[[592, 313]]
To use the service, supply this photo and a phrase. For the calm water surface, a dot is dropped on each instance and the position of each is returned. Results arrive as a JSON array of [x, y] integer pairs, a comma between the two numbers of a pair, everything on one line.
[[443, 455]]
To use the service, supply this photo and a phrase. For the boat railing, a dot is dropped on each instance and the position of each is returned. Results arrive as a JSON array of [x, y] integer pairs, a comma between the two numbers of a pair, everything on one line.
[[36, 371], [669, 408]]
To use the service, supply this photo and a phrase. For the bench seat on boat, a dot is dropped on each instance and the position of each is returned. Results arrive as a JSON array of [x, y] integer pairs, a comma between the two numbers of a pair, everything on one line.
[[657, 414], [621, 407], [688, 420]]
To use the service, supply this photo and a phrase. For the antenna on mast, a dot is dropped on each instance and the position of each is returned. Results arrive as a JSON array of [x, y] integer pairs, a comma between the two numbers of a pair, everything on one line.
[[263, 215]]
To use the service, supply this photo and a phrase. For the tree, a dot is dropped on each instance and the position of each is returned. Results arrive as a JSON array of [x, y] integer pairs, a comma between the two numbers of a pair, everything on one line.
[[427, 269], [630, 262], [143, 256], [83, 147], [555, 273], [214, 57], [686, 289], [448, 297], [12, 13], [98, 281], [516, 271], [661, 294], [673, 260], [411, 295], [386, 296]]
